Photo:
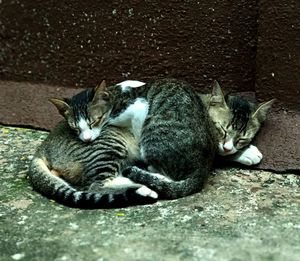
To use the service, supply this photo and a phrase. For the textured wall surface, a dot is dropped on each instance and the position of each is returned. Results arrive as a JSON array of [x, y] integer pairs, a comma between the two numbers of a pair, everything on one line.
[[278, 54], [279, 142], [29, 105], [247, 45], [81, 42]]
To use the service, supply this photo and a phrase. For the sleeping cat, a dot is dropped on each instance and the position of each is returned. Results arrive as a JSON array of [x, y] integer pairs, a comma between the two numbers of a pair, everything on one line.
[[233, 113], [86, 175], [173, 110], [217, 107], [238, 124], [179, 131]]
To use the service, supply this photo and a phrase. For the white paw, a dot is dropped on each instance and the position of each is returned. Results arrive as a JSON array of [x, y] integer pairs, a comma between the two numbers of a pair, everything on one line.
[[118, 182], [250, 156], [146, 192]]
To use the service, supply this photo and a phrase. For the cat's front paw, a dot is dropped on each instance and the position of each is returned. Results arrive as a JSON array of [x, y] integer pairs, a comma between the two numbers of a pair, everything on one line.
[[250, 156]]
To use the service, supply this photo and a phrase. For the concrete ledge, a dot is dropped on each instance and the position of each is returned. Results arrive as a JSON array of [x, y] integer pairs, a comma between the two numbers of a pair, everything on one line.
[[279, 141], [26, 104]]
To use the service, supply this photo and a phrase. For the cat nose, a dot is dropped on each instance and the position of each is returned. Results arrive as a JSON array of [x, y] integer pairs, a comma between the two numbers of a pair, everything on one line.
[[226, 150], [87, 139], [228, 146]]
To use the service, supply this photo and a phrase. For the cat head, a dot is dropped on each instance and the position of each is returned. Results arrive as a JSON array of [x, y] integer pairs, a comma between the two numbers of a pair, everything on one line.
[[236, 120], [86, 112]]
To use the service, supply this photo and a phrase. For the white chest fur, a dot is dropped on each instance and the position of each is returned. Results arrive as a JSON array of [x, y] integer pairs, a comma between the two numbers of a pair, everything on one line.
[[126, 85], [133, 117]]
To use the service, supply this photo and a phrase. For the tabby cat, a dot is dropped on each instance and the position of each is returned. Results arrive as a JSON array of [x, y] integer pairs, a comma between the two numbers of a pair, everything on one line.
[[238, 121], [179, 131], [86, 175]]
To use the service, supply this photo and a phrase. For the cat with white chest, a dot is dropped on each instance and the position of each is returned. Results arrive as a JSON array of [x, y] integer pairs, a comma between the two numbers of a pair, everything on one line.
[[81, 161], [92, 159], [179, 131]]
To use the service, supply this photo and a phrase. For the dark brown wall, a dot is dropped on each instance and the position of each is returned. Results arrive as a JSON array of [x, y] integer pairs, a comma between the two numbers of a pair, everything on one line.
[[78, 43], [81, 42], [278, 56]]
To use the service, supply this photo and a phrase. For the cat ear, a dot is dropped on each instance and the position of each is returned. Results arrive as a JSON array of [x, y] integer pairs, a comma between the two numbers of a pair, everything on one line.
[[61, 106], [100, 93], [262, 110], [101, 87], [217, 96]]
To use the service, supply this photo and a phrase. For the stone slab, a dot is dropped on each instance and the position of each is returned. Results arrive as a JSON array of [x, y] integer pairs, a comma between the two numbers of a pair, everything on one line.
[[239, 215], [279, 141]]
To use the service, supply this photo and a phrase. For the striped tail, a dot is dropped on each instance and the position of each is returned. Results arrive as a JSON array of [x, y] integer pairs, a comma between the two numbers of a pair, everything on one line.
[[53, 187], [165, 187]]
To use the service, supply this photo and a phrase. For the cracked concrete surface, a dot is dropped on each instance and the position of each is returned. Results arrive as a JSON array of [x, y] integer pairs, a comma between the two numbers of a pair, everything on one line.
[[240, 215]]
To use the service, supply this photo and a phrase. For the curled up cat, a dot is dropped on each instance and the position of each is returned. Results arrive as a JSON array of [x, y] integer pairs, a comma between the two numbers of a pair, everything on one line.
[[175, 131], [237, 125], [180, 131], [86, 174]]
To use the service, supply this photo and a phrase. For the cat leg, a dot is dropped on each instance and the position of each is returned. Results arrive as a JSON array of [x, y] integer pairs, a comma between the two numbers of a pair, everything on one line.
[[125, 183], [249, 156], [166, 188]]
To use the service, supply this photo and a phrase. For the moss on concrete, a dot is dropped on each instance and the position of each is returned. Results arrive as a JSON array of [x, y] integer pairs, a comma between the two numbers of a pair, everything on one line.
[[240, 215]]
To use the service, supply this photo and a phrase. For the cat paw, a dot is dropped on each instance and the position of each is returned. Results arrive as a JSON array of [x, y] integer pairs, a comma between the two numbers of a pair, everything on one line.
[[250, 156], [146, 192]]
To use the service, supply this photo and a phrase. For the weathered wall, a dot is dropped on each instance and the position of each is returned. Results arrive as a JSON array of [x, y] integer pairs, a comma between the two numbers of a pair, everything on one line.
[[278, 52], [81, 42], [78, 43]]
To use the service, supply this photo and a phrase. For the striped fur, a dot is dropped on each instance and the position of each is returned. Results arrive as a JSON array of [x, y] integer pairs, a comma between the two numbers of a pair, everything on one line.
[[77, 174], [176, 138], [236, 121], [87, 175], [182, 131]]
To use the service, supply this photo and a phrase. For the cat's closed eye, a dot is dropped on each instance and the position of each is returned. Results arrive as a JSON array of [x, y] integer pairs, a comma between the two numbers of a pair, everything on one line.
[[213, 104], [98, 120], [222, 131], [242, 142], [74, 127], [95, 122]]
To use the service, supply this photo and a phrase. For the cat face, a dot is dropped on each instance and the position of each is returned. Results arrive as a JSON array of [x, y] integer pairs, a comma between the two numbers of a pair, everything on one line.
[[88, 126], [86, 113], [236, 120]]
